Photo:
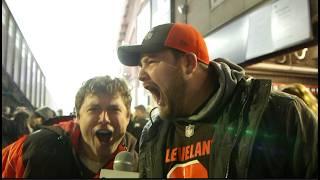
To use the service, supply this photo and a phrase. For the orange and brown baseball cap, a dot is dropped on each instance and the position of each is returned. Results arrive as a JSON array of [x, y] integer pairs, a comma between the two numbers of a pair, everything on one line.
[[182, 37]]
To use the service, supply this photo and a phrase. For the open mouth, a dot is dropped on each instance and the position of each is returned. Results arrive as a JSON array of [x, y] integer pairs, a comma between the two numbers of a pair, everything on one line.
[[104, 135], [155, 92]]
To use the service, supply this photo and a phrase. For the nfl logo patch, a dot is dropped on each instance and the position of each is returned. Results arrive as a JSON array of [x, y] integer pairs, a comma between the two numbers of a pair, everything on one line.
[[189, 130], [149, 35]]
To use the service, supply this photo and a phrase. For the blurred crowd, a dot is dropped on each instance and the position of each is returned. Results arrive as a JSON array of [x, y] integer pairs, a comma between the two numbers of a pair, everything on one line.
[[21, 121], [137, 121], [304, 94]]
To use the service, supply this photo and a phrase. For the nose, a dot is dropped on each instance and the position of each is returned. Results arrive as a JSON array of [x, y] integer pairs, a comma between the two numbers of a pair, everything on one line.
[[142, 74], [104, 117]]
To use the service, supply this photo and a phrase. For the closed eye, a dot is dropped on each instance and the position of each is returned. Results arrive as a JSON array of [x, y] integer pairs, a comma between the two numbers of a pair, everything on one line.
[[148, 60], [94, 109]]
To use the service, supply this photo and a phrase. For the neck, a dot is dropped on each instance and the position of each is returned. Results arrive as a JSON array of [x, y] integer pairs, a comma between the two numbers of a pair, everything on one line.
[[201, 89], [90, 159]]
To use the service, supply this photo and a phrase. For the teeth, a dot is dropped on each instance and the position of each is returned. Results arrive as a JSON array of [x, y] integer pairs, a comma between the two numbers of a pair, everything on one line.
[[157, 98]]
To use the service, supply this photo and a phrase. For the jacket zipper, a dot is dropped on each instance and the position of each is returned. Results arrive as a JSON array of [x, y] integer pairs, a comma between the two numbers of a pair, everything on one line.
[[237, 138], [228, 163]]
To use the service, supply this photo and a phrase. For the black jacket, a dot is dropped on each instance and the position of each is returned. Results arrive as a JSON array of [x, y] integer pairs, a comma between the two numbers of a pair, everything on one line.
[[50, 153], [274, 135]]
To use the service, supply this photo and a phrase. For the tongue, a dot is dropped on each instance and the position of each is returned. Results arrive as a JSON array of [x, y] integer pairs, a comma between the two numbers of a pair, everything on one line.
[[103, 139], [104, 136]]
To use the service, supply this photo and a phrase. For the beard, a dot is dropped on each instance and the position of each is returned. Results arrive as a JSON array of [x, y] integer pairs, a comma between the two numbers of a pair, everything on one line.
[[174, 96]]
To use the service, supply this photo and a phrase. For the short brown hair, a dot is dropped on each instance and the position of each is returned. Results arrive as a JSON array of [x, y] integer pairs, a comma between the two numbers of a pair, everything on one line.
[[106, 85], [140, 107], [177, 53]]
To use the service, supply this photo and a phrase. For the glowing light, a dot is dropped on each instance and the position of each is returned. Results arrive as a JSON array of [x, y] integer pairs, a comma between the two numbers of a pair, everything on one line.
[[249, 132]]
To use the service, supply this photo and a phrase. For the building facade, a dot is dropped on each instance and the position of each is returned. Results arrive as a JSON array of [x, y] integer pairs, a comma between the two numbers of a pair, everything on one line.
[[23, 82], [284, 59]]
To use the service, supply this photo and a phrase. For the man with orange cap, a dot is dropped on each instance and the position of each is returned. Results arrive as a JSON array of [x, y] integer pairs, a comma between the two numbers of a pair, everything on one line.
[[215, 121]]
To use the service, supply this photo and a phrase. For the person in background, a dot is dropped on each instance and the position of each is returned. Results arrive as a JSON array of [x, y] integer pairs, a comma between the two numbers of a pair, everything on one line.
[[138, 121], [20, 117], [38, 117], [140, 113], [79, 148], [59, 112], [15, 127], [8, 133], [304, 93], [7, 112], [214, 120]]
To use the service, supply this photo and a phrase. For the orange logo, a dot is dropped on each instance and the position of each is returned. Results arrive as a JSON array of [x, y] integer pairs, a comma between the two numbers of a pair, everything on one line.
[[192, 169]]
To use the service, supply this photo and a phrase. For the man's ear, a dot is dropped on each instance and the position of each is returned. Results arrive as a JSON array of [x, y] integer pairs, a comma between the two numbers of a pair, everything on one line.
[[77, 118], [190, 63], [129, 115]]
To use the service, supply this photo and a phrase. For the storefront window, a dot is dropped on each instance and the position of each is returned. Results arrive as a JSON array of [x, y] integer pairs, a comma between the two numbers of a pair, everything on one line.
[[29, 80], [23, 69], [17, 59], [10, 50], [161, 12]]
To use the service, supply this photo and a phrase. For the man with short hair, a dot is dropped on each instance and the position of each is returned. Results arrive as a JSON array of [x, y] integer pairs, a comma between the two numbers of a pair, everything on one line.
[[137, 122], [79, 148], [215, 121], [140, 112], [39, 117]]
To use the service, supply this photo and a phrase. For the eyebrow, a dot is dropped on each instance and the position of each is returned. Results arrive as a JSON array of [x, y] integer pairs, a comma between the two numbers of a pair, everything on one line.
[[93, 105], [113, 106], [109, 107]]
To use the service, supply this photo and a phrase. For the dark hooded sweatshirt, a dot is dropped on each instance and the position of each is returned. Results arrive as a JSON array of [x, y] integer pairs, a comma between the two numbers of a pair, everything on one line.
[[254, 133]]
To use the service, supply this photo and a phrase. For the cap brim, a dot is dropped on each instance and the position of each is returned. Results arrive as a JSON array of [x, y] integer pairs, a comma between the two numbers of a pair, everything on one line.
[[130, 55]]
